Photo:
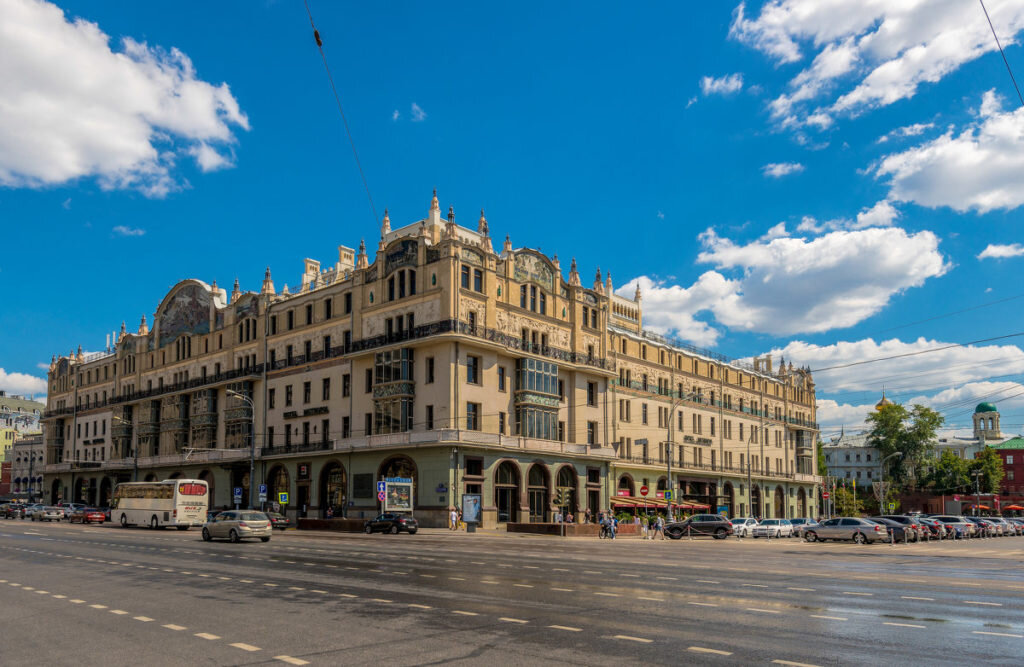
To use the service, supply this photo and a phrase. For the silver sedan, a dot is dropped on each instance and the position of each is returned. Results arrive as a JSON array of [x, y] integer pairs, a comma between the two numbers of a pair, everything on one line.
[[237, 525], [859, 530]]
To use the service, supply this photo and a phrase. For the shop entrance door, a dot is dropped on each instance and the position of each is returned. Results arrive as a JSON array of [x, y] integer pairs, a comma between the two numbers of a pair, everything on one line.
[[507, 505]]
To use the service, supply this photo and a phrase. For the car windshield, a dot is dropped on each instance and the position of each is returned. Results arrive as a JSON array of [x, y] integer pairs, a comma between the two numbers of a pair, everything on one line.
[[253, 516], [769, 522]]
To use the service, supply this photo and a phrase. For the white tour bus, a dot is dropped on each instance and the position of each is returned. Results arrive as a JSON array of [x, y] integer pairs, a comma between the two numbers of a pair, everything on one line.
[[181, 503]]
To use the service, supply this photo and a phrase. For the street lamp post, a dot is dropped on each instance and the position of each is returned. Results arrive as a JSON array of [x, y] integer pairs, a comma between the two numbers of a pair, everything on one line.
[[881, 480], [252, 439], [977, 491]]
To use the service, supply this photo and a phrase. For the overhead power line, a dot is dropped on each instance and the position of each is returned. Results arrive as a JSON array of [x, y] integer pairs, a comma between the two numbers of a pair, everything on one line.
[[337, 99], [1002, 53], [919, 352]]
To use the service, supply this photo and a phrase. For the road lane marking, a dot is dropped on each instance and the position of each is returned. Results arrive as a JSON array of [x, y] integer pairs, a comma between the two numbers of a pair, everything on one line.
[[635, 576], [633, 639], [669, 578], [559, 569], [701, 649], [707, 581], [59, 597], [43, 592], [290, 660], [828, 618], [119, 612], [494, 583], [905, 625], [98, 606], [420, 606], [651, 599], [703, 604], [997, 634], [591, 572], [142, 619], [911, 597], [523, 585], [456, 578], [246, 647], [792, 664], [465, 613], [272, 585], [754, 585], [379, 600], [762, 611], [567, 628], [987, 604], [512, 620], [608, 595], [296, 588], [794, 588], [563, 590], [76, 601], [177, 628], [246, 581], [27, 588], [347, 595], [856, 593]]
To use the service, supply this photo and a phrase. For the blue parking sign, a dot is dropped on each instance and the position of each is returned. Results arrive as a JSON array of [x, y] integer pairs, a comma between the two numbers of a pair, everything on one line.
[[238, 494]]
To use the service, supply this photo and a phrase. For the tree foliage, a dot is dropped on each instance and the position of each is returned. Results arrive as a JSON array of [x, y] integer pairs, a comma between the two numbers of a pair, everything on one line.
[[950, 474], [989, 463], [822, 467], [894, 429], [844, 502]]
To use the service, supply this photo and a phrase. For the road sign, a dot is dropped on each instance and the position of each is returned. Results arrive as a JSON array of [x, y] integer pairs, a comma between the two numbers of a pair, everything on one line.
[[263, 493], [380, 496], [892, 507], [640, 441], [282, 497], [238, 494], [668, 495], [825, 495], [956, 498], [644, 490], [381, 486]]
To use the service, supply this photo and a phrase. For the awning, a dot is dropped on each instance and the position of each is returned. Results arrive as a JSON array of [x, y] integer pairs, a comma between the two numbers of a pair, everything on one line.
[[1013, 507], [635, 501], [980, 507]]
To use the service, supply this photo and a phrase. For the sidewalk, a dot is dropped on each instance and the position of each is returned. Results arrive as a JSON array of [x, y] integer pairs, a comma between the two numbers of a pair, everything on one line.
[[454, 534]]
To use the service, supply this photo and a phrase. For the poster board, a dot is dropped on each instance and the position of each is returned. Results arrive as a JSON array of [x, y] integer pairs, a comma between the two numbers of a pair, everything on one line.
[[398, 494]]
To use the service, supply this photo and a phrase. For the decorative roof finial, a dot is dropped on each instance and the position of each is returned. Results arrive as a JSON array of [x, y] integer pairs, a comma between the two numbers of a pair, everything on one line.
[[598, 283], [608, 283], [268, 284], [481, 225], [361, 261], [123, 333], [638, 296], [434, 206], [143, 327], [235, 291], [385, 226], [78, 356], [449, 228], [574, 276], [53, 363], [508, 245], [213, 287], [434, 216]]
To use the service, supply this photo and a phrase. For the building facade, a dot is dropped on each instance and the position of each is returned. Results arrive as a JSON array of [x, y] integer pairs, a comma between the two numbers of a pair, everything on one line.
[[851, 460], [27, 457], [19, 416], [465, 369]]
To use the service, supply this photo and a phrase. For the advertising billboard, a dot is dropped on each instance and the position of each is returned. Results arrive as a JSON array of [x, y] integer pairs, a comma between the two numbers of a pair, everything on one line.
[[398, 494]]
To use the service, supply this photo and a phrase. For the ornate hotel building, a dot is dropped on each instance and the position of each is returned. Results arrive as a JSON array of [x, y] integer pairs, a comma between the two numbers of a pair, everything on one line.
[[465, 369]]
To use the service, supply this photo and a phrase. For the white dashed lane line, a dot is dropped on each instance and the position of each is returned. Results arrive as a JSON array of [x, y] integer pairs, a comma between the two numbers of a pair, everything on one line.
[[997, 634], [987, 604], [911, 597], [207, 635], [566, 628], [512, 620], [702, 649], [828, 618], [290, 660], [246, 647], [905, 625], [641, 640]]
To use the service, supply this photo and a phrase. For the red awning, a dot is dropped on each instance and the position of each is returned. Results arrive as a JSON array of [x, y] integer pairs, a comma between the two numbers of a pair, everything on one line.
[[1013, 507]]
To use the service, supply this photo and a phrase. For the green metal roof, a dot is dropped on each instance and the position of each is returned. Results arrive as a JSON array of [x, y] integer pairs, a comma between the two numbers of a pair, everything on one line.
[[985, 407], [1012, 443]]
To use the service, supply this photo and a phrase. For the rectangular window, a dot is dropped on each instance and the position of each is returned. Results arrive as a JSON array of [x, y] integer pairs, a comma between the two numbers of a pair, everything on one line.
[[592, 393], [591, 433], [712, 426], [543, 309], [288, 395], [478, 280], [270, 398], [346, 427], [291, 320], [307, 392], [561, 431], [680, 420], [412, 283], [473, 369], [522, 297], [430, 370], [273, 326], [593, 318], [501, 423], [368, 423], [501, 378], [643, 413], [465, 277], [561, 390], [348, 303], [401, 284], [391, 288], [327, 389], [327, 346], [346, 385], [430, 417], [307, 351], [369, 380], [533, 298], [270, 436], [473, 416], [325, 429]]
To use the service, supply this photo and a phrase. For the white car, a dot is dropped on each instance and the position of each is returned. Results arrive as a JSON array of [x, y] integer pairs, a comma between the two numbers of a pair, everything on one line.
[[773, 528], [742, 526]]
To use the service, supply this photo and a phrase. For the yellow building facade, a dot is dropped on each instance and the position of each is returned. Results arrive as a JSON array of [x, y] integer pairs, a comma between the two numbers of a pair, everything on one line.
[[466, 368]]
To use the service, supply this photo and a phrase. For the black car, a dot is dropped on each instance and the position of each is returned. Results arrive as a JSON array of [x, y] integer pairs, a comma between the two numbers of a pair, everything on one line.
[[13, 511], [913, 528], [899, 532], [715, 525], [389, 522], [278, 520]]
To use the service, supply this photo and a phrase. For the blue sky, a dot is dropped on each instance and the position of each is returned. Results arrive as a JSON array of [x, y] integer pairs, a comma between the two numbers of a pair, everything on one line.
[[821, 179]]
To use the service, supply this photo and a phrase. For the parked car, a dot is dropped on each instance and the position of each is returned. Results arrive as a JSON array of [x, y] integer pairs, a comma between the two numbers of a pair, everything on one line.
[[278, 520], [1019, 523], [773, 528], [915, 529], [936, 529], [47, 514], [13, 510], [859, 530], [393, 523], [85, 515], [1005, 527], [714, 525], [897, 531], [236, 525], [800, 523], [984, 526], [957, 527], [742, 526], [69, 508]]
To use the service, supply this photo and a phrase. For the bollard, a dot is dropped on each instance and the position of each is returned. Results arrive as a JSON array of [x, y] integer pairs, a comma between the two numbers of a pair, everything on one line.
[[689, 535], [905, 538], [892, 538]]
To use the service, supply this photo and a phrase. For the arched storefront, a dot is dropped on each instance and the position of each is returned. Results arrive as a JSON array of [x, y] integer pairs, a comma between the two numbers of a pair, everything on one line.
[[81, 488], [401, 466], [801, 502], [333, 494], [506, 492], [729, 499], [176, 475], [756, 508], [56, 492], [626, 484], [780, 503], [538, 489], [278, 483], [567, 480], [151, 477], [105, 492]]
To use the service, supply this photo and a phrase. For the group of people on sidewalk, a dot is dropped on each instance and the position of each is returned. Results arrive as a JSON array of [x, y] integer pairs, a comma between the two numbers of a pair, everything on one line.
[[650, 527]]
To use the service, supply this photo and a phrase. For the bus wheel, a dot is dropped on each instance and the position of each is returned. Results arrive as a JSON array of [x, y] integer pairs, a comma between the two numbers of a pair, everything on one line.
[[153, 523], [124, 521]]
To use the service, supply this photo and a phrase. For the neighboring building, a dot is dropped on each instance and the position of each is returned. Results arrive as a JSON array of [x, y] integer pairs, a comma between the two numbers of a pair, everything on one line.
[[465, 369], [5, 479], [26, 459], [19, 416], [849, 457], [987, 432]]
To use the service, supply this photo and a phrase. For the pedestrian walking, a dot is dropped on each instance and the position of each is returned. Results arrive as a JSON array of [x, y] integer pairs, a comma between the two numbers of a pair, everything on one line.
[[660, 530], [605, 524], [458, 519], [453, 520], [614, 527], [570, 518], [586, 516]]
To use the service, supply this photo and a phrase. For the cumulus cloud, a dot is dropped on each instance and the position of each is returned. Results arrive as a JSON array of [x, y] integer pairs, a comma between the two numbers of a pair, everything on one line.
[[395, 115], [881, 214], [780, 169], [906, 131], [124, 230], [869, 53], [981, 168], [725, 85], [996, 251], [782, 285], [418, 114], [75, 108], [22, 383]]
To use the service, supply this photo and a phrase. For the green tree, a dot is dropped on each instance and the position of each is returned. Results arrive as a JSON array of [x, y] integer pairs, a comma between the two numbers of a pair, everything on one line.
[[950, 474], [989, 463], [822, 468], [845, 505], [894, 429]]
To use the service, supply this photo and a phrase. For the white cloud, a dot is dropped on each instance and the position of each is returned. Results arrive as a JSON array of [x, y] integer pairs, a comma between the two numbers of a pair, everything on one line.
[[74, 108], [869, 53], [780, 169], [661, 216], [418, 114], [67, 204], [690, 102], [788, 285], [725, 85], [209, 159], [776, 232], [122, 230], [22, 383], [906, 131], [395, 115], [981, 168], [996, 251], [882, 214]]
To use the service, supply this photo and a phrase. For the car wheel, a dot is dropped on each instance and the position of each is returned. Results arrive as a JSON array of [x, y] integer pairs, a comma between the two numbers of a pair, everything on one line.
[[720, 534], [124, 521], [367, 529], [264, 539], [154, 523], [206, 535], [675, 535], [810, 536], [393, 530], [233, 536], [859, 538]]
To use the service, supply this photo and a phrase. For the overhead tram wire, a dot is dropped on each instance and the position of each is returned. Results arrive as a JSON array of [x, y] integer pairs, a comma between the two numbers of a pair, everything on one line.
[[344, 120], [1002, 53], [950, 314], [919, 352]]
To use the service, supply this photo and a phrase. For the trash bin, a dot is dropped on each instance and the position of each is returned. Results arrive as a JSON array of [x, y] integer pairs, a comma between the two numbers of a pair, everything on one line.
[[471, 527]]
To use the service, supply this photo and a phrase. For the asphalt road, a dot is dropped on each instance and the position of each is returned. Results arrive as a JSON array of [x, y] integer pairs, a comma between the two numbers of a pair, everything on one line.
[[89, 595]]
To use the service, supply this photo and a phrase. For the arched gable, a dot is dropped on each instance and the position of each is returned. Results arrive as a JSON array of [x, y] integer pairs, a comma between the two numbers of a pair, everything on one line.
[[185, 309]]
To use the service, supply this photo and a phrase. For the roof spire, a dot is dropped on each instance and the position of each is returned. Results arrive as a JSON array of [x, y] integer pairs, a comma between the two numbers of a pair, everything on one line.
[[235, 291], [574, 276], [434, 216], [481, 225], [449, 228], [385, 225], [143, 327], [638, 296], [598, 284], [608, 283], [268, 284], [508, 245], [361, 261]]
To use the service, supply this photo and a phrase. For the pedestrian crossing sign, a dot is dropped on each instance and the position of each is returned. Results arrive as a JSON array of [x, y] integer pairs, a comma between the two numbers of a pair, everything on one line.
[[282, 497]]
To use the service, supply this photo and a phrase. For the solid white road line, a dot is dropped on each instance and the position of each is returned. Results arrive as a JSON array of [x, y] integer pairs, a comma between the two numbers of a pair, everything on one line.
[[905, 625], [633, 639], [701, 649], [567, 628]]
